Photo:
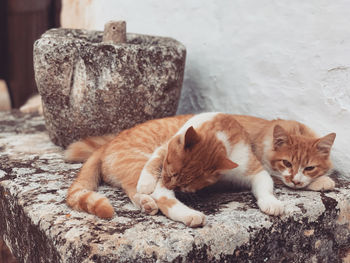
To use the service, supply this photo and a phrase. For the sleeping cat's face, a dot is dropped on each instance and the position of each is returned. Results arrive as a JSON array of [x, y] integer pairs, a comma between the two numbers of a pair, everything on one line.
[[298, 160], [193, 162]]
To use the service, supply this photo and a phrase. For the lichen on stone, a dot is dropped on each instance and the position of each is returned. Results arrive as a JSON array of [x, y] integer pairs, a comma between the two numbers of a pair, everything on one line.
[[40, 227], [91, 88]]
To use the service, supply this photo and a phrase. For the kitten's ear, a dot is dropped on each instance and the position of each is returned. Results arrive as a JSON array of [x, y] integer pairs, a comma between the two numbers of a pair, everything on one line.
[[280, 136], [325, 143], [191, 138], [226, 164]]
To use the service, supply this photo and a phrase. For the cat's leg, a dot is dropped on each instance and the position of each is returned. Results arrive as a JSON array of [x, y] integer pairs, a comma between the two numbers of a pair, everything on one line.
[[322, 183], [81, 195], [151, 171], [262, 188], [145, 202], [174, 209]]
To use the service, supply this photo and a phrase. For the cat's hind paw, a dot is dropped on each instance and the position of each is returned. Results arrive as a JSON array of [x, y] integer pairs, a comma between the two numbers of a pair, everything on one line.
[[148, 205], [323, 183], [195, 219], [271, 206], [146, 184]]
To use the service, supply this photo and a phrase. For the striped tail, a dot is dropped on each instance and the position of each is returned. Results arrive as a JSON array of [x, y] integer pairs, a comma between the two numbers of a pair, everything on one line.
[[81, 194], [81, 150]]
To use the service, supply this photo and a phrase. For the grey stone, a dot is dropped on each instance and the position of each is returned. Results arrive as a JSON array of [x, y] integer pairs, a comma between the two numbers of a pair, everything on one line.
[[114, 32], [90, 88], [38, 226]]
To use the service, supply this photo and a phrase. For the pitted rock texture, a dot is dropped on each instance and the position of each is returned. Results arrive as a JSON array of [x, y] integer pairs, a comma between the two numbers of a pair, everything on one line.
[[93, 88], [38, 226]]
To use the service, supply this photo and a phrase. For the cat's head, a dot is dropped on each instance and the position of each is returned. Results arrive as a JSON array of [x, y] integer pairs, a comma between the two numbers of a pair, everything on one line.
[[194, 162], [297, 160]]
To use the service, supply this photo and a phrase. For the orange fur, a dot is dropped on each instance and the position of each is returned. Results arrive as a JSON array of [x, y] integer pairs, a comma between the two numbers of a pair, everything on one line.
[[119, 162], [80, 151], [206, 153], [293, 142], [165, 203], [195, 159], [198, 157], [82, 196]]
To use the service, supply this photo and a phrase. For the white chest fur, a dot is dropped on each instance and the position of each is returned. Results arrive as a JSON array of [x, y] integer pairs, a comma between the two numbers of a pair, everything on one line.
[[240, 154]]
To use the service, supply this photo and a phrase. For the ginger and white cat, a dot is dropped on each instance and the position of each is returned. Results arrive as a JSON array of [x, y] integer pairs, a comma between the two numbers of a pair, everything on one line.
[[292, 152], [189, 152]]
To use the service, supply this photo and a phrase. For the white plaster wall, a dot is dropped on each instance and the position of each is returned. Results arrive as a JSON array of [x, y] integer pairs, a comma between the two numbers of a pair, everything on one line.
[[273, 59]]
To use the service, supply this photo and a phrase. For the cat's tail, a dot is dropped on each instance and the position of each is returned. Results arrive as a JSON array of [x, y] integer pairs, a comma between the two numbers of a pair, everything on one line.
[[81, 150], [81, 194]]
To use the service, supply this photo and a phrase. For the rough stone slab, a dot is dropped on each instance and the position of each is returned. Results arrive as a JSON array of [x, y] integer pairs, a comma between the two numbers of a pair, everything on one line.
[[39, 227], [91, 88]]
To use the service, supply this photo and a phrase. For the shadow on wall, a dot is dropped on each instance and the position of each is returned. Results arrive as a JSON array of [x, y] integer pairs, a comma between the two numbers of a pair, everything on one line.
[[193, 97]]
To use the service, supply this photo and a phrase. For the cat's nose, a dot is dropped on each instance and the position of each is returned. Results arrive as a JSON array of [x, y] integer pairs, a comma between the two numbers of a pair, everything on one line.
[[296, 182]]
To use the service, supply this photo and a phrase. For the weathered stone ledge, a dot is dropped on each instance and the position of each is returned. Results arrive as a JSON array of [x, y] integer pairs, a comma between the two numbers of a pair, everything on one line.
[[38, 226]]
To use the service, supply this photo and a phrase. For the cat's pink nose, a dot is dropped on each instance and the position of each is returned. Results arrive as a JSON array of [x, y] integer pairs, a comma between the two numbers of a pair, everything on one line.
[[296, 182]]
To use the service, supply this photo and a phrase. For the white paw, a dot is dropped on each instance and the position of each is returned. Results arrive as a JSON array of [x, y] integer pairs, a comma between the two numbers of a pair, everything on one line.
[[323, 183], [148, 205], [146, 184], [194, 219], [271, 206]]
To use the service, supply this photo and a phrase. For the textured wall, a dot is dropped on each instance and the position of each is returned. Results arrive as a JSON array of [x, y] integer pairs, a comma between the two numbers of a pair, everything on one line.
[[286, 59]]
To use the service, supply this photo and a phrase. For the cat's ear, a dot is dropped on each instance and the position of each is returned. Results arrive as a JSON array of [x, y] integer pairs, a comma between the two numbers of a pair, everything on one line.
[[280, 136], [325, 143], [191, 138], [226, 164]]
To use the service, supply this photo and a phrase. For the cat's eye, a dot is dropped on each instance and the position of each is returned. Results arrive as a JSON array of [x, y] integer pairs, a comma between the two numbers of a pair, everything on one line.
[[287, 164], [309, 168], [172, 173]]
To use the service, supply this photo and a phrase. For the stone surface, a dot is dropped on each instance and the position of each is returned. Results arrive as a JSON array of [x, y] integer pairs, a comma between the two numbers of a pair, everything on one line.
[[38, 226], [114, 32], [91, 88]]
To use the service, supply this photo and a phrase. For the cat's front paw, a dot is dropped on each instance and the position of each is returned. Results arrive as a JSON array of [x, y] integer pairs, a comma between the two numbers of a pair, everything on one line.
[[323, 183], [271, 206], [146, 184], [195, 219], [148, 205]]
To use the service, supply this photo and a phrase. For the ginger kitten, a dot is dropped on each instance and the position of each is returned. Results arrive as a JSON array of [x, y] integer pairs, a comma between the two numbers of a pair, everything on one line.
[[183, 152], [292, 152]]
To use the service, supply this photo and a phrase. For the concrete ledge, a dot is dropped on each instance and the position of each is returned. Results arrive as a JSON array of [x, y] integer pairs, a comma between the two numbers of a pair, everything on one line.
[[39, 227]]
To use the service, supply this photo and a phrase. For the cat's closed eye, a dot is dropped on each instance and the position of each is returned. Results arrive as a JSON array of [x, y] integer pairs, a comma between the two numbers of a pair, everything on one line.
[[287, 164], [309, 168], [172, 173]]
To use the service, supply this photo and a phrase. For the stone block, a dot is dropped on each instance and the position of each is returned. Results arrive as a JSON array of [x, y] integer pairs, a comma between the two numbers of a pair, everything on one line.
[[39, 227], [89, 87]]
